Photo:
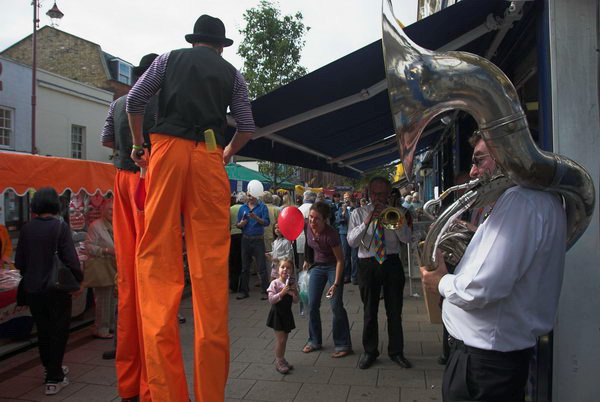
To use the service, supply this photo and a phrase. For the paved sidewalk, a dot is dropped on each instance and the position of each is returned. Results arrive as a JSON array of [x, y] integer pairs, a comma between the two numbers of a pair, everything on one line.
[[252, 376]]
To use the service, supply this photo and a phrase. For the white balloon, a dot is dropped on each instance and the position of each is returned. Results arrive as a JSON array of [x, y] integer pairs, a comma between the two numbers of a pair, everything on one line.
[[255, 188]]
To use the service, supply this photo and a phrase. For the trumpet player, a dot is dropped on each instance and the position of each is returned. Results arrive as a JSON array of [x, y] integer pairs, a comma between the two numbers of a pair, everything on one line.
[[504, 292], [379, 266]]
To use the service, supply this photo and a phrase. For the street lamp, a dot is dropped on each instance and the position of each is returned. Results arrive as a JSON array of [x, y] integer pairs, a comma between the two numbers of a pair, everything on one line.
[[53, 13]]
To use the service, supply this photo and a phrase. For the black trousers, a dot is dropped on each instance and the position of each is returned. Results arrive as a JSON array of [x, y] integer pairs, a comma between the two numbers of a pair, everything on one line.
[[235, 261], [52, 316], [372, 276], [474, 374]]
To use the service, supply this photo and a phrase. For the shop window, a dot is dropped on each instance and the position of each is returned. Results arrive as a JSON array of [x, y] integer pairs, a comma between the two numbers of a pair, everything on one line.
[[7, 121], [77, 142]]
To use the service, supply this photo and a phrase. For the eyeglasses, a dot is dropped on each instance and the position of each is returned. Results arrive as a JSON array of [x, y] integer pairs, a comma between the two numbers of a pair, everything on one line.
[[477, 160]]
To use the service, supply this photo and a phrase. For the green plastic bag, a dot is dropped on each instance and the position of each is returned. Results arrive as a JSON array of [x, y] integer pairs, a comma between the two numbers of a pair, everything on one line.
[[303, 278]]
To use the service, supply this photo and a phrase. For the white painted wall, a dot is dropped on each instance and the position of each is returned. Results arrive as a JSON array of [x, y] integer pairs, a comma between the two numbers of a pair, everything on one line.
[[576, 115], [16, 94], [63, 102]]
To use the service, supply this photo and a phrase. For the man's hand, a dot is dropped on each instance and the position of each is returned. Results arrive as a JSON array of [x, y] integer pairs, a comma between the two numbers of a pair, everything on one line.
[[431, 279], [140, 160], [227, 154], [253, 216], [242, 223]]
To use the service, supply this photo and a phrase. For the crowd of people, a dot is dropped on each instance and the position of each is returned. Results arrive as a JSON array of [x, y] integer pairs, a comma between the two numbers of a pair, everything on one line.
[[502, 295], [332, 248]]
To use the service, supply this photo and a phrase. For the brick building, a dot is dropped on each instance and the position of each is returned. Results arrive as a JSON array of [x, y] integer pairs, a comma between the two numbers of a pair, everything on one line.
[[67, 55]]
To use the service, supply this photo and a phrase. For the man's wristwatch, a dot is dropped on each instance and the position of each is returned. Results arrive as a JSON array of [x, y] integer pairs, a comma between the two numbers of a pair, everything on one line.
[[336, 285]]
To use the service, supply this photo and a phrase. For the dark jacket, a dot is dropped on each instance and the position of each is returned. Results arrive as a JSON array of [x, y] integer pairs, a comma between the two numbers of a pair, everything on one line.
[[122, 132], [195, 94], [35, 252]]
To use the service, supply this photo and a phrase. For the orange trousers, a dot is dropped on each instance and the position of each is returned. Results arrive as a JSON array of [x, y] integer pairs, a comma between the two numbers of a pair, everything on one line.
[[128, 224], [185, 179]]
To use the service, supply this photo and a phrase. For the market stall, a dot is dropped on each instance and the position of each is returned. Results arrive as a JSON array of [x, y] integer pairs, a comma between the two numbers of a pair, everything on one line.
[[83, 186]]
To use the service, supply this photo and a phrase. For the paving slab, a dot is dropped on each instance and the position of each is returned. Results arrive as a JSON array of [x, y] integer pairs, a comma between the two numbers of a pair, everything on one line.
[[252, 376], [368, 393]]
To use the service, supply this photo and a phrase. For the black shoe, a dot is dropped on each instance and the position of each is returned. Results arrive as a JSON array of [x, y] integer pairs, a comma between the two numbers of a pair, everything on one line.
[[366, 361], [242, 296], [401, 361], [109, 355], [181, 319], [264, 296], [442, 360], [354, 282]]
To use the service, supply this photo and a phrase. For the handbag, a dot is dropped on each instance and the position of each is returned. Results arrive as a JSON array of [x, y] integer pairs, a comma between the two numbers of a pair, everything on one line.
[[61, 278], [99, 272]]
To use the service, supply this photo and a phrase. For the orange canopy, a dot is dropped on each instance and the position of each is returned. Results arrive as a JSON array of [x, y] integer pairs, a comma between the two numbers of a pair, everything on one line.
[[24, 172]]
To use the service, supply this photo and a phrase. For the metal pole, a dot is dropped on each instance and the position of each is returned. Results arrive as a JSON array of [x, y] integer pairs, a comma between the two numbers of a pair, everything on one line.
[[33, 73]]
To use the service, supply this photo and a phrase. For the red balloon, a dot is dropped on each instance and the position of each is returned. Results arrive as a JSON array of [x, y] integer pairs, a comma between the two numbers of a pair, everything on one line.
[[291, 223]]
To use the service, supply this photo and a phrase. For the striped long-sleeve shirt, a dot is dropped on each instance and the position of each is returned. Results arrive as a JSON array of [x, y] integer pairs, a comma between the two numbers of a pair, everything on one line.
[[108, 131], [150, 82]]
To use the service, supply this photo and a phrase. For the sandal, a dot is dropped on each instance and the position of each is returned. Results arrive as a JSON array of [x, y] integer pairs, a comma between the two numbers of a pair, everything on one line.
[[310, 348], [100, 336], [340, 354], [281, 367]]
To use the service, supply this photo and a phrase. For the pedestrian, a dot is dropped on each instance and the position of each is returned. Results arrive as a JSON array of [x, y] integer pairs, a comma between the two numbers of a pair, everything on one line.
[[379, 268], [503, 293], [326, 264], [235, 250], [253, 217], [100, 270], [281, 248], [39, 240], [5, 246], [186, 177], [282, 293], [128, 224]]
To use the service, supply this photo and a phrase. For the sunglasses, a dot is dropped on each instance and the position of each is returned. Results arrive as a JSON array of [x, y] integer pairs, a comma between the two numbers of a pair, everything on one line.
[[477, 160]]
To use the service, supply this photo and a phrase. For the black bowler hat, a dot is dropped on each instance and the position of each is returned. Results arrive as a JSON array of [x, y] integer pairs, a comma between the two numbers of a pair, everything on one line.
[[144, 64], [209, 29]]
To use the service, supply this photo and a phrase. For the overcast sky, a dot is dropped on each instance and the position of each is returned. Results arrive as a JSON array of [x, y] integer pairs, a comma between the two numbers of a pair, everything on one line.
[[131, 28]]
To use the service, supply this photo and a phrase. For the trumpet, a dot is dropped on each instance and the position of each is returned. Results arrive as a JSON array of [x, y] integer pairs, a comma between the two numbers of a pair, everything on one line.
[[391, 218]]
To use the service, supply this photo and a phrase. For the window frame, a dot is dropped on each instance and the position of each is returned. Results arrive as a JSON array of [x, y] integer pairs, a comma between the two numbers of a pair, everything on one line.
[[11, 129], [81, 151]]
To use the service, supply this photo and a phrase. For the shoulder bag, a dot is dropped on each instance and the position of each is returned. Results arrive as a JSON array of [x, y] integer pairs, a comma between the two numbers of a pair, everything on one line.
[[61, 278]]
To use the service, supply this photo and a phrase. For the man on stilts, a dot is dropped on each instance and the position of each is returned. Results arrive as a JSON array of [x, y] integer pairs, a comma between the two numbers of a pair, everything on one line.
[[186, 176]]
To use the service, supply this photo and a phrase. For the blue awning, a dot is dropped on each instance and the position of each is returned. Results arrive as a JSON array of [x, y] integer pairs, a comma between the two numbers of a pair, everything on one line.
[[337, 118]]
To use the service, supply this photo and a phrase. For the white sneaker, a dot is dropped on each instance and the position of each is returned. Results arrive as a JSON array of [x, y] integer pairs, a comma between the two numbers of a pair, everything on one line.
[[53, 388], [65, 370]]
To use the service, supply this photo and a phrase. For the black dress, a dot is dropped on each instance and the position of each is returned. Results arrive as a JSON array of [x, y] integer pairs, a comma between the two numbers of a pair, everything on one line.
[[281, 317]]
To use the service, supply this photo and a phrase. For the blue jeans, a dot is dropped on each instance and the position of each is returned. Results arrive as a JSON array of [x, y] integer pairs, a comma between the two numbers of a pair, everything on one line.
[[321, 275], [354, 253], [346, 252]]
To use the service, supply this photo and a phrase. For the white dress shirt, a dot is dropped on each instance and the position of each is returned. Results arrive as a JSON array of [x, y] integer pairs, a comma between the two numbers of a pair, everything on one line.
[[301, 240], [504, 292], [357, 227]]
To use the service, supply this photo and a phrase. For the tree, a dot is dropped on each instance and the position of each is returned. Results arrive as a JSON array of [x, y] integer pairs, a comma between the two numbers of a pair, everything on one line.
[[278, 173], [271, 50]]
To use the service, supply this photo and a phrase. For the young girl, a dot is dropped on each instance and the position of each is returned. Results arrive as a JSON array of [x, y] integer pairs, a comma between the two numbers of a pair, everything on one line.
[[281, 296], [281, 248]]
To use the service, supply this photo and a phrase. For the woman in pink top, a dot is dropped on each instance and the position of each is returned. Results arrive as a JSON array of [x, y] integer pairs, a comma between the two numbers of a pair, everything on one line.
[[324, 256]]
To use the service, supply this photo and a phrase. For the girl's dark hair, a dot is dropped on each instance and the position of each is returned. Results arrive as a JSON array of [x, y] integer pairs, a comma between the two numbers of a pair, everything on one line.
[[322, 208], [45, 201], [273, 228]]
